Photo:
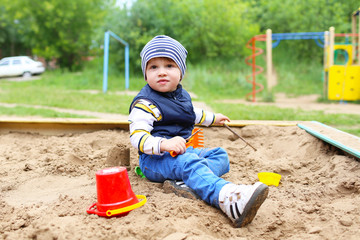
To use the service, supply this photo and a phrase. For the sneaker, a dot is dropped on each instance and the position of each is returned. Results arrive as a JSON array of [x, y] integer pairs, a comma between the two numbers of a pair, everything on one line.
[[241, 202], [180, 189]]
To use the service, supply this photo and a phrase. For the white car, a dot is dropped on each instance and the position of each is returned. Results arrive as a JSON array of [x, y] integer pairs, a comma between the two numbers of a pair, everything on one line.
[[20, 66]]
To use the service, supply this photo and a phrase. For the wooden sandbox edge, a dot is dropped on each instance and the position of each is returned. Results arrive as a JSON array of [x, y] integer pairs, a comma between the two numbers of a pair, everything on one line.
[[68, 125]]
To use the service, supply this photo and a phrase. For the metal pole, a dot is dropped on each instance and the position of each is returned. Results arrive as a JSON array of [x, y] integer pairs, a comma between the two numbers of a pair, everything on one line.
[[106, 61], [127, 67], [331, 46], [326, 63], [358, 14], [253, 70]]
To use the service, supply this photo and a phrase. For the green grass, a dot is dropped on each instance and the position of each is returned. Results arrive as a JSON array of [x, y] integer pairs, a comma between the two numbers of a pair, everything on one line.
[[210, 81], [227, 79], [345, 122], [63, 98], [218, 80], [68, 90], [20, 111], [297, 77]]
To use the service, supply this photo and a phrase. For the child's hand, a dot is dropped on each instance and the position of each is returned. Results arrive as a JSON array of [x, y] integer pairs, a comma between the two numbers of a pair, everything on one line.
[[220, 119], [176, 144]]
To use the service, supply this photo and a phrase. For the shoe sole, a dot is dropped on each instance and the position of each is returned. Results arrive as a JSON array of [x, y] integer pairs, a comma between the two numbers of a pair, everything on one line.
[[186, 192], [252, 206]]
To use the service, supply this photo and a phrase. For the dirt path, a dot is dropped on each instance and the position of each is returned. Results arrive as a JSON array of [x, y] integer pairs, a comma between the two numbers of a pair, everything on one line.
[[307, 103], [90, 114]]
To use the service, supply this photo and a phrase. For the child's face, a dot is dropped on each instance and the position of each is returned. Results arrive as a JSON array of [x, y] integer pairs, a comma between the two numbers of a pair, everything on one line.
[[162, 74]]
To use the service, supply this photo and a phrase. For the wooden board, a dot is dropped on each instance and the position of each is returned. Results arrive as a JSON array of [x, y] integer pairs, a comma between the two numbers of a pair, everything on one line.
[[58, 125], [243, 123], [345, 141]]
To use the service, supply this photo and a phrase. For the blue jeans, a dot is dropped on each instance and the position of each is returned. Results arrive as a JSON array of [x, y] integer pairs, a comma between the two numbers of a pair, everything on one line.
[[199, 168]]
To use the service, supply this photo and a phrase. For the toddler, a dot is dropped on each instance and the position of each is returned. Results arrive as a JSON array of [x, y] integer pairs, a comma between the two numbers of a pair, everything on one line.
[[162, 117]]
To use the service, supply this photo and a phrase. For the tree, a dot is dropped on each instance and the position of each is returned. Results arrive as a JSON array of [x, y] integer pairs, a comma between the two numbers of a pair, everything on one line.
[[60, 29], [286, 16], [10, 41], [208, 29]]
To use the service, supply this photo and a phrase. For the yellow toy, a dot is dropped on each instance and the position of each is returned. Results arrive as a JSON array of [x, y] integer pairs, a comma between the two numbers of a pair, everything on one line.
[[342, 81]]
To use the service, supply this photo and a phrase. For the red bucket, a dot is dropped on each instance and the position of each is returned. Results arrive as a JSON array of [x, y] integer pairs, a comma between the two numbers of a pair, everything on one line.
[[114, 194]]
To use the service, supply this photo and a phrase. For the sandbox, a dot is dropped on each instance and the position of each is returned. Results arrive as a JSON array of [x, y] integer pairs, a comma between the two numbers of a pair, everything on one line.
[[48, 181]]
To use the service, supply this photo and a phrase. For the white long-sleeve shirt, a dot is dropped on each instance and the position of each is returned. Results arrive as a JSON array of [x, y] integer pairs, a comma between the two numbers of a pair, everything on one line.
[[141, 119]]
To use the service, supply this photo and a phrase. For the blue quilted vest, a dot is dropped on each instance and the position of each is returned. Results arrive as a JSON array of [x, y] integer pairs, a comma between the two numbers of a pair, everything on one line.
[[176, 108]]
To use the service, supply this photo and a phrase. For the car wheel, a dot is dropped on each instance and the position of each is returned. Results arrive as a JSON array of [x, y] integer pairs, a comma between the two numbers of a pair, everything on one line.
[[26, 74]]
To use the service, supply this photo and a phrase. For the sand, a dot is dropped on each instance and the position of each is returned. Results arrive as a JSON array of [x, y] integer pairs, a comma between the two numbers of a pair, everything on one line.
[[48, 182]]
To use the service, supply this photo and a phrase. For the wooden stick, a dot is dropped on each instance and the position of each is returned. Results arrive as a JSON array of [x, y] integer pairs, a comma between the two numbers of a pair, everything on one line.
[[187, 139], [238, 136]]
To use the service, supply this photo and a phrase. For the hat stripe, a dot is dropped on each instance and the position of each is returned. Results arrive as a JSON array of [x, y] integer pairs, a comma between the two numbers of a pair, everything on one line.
[[164, 46], [170, 53]]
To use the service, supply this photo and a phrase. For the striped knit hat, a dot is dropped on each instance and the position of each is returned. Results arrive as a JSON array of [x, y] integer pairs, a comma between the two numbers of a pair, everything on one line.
[[164, 46]]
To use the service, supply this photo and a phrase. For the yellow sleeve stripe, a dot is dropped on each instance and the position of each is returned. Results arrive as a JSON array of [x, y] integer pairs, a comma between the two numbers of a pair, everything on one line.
[[203, 117], [148, 110], [144, 107], [138, 131], [142, 142]]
